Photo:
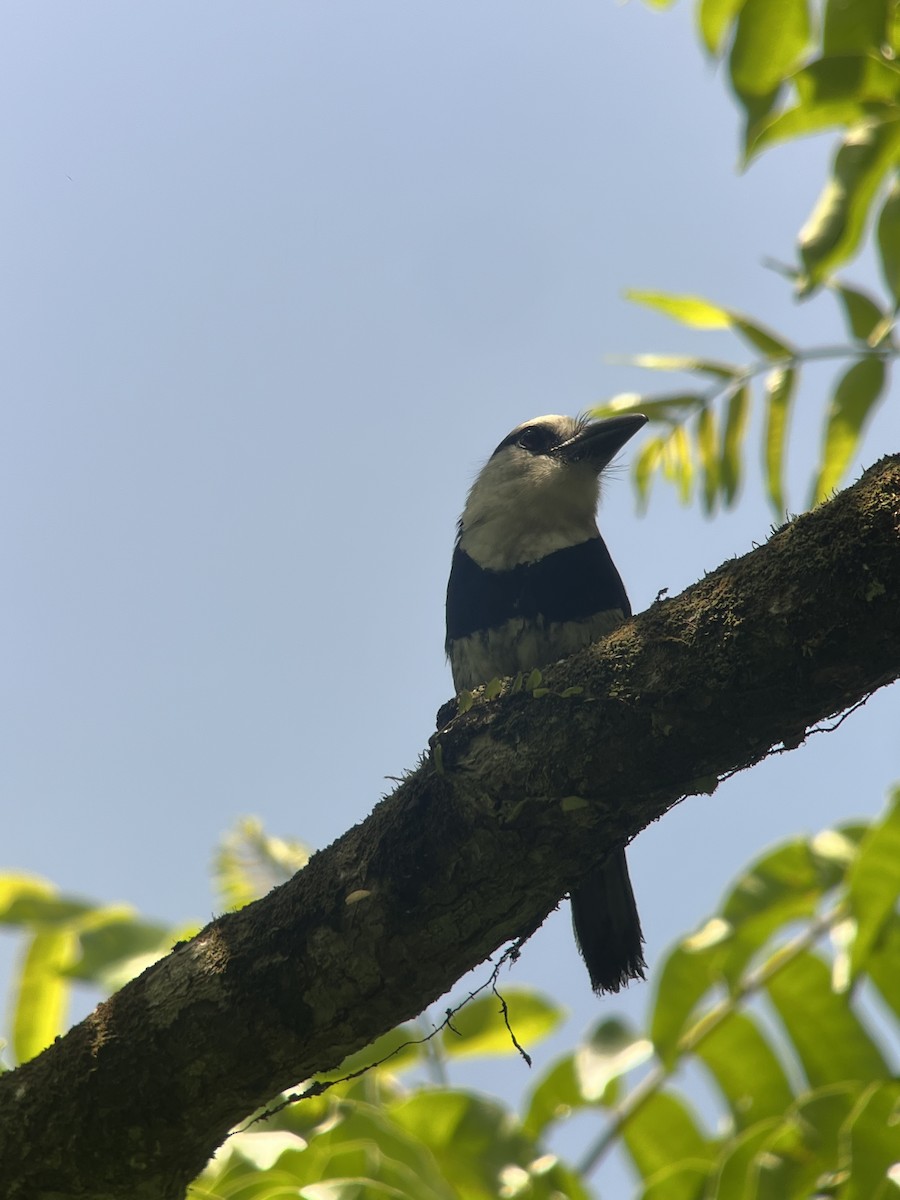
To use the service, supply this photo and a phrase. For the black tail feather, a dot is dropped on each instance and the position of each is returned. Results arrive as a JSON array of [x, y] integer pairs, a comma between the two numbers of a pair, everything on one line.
[[607, 926]]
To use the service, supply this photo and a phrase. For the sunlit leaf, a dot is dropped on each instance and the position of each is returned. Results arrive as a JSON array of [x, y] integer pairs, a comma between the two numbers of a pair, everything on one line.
[[479, 1026], [746, 1068], [769, 43], [398, 1048], [855, 25], [834, 229], [840, 90], [679, 1181], [889, 241], [874, 882], [715, 18], [737, 1165], [687, 363], [829, 1039], [689, 310], [43, 991], [26, 900], [855, 397], [779, 395], [736, 413]]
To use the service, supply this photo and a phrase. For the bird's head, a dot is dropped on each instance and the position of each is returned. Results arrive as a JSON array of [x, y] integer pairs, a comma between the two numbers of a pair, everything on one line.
[[538, 491]]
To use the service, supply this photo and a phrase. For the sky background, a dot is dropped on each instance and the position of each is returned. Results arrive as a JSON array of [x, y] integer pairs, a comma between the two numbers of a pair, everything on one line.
[[275, 281]]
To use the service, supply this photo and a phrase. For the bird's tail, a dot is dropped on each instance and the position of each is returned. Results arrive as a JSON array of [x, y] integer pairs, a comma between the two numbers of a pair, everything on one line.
[[607, 926]]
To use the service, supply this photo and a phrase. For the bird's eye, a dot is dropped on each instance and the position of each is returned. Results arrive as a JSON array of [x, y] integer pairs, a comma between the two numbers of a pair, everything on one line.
[[533, 438]]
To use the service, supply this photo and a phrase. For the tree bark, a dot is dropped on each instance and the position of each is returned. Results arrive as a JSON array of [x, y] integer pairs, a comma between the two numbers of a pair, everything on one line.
[[514, 801]]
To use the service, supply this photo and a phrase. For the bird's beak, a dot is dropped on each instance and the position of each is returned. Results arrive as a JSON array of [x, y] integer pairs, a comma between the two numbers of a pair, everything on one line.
[[598, 443]]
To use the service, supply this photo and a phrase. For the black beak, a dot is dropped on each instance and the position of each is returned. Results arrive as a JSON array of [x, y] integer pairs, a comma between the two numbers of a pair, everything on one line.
[[598, 442]]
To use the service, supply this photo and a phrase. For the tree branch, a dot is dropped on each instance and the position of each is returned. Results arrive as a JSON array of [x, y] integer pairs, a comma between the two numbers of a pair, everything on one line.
[[516, 799]]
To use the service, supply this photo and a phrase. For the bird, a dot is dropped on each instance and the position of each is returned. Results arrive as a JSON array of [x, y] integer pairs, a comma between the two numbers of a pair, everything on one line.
[[531, 582]]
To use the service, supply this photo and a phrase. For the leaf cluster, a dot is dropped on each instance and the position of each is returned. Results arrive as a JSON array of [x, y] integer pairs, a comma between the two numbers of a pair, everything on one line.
[[787, 1036], [796, 69]]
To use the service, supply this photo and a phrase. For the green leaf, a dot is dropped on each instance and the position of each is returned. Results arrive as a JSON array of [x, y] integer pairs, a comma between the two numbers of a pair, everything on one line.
[[831, 1043], [840, 90], [856, 395], [833, 231], [769, 43], [874, 883], [870, 1139], [677, 463], [43, 992], [479, 1027], [681, 1181], [779, 392], [689, 363], [682, 981], [708, 448], [862, 313], [855, 25], [889, 241], [112, 937], [646, 462], [715, 18], [554, 1097], [804, 1149], [785, 885], [27, 900], [662, 1133], [736, 413], [883, 965], [746, 1068], [737, 1166]]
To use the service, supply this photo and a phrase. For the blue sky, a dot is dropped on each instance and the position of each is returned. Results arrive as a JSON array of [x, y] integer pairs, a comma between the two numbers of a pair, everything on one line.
[[276, 279]]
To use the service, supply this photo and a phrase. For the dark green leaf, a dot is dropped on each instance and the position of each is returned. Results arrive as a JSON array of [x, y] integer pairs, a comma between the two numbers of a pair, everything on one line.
[[829, 1039], [779, 387], [855, 397], [834, 229], [855, 25], [874, 883], [113, 937], [746, 1068], [889, 241], [663, 1133], [862, 313]]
